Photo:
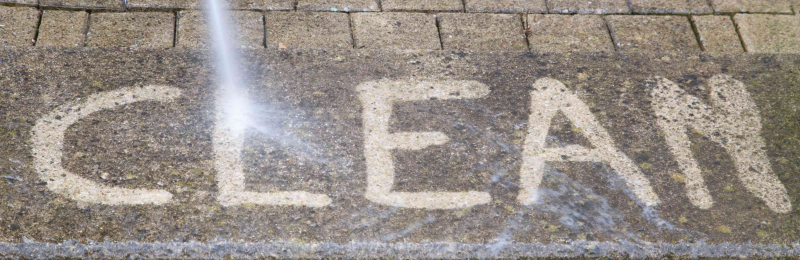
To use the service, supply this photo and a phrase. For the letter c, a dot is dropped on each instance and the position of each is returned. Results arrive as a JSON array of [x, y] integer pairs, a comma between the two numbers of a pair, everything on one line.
[[48, 139]]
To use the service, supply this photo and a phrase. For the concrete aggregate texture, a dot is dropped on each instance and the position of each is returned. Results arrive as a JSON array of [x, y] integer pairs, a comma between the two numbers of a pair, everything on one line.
[[401, 129], [380, 153]]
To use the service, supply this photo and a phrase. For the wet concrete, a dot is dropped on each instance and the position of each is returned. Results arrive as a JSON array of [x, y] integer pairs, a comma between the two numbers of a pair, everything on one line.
[[309, 137]]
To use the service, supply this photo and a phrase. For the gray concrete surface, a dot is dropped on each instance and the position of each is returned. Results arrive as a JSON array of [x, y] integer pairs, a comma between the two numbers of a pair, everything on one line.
[[119, 153]]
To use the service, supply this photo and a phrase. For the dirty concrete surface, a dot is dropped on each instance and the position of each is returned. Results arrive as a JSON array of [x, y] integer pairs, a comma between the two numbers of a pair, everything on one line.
[[309, 135]]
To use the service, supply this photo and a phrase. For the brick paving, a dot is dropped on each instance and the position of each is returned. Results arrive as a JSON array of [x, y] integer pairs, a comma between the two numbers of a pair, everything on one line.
[[63, 28], [395, 31], [308, 30], [569, 33], [752, 6], [481, 25], [337, 5], [769, 33], [134, 29], [588, 7], [85, 4], [496, 31], [506, 6], [652, 33], [717, 33], [18, 25], [670, 6], [193, 30]]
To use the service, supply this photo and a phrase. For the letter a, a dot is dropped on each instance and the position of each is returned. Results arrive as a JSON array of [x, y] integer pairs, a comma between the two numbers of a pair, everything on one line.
[[736, 119], [377, 99], [548, 97], [48, 139]]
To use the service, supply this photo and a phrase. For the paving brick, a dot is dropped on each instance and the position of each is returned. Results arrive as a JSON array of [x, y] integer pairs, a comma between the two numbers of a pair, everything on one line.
[[717, 33], [131, 29], [397, 31], [18, 25], [561, 33], [588, 7], [164, 4], [482, 32], [507, 6], [671, 6], [248, 29], [796, 6], [20, 2], [338, 5], [85, 4], [198, 4], [271, 5], [308, 30], [652, 33], [62, 28], [752, 6], [769, 33], [422, 5]]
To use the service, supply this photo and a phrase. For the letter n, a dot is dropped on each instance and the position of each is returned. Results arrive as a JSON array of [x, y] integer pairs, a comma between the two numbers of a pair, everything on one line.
[[732, 121]]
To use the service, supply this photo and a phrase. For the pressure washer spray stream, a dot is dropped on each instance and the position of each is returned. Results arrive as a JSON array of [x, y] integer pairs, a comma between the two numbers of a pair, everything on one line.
[[233, 102], [232, 108]]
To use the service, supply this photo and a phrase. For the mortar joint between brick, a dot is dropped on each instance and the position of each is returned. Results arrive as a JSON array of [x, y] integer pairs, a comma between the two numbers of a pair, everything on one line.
[[630, 6], [421, 11], [88, 28], [175, 29], [711, 5], [696, 33], [352, 27], [38, 26], [101, 11], [611, 32], [546, 7], [738, 33], [768, 13], [10, 4], [439, 31], [264, 29], [525, 30]]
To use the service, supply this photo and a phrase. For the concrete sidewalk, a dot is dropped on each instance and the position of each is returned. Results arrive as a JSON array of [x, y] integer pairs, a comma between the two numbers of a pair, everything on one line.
[[365, 153]]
